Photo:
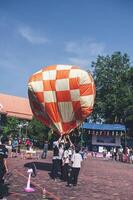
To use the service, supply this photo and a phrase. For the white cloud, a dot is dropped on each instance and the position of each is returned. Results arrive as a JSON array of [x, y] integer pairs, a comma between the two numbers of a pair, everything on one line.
[[32, 36], [84, 52], [96, 48], [79, 61]]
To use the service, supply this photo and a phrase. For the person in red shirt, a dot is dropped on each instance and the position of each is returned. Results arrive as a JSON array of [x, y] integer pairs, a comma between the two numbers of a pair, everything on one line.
[[28, 143]]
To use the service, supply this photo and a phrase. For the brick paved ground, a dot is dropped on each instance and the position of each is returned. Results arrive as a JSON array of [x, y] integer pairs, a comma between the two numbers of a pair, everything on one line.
[[99, 179]]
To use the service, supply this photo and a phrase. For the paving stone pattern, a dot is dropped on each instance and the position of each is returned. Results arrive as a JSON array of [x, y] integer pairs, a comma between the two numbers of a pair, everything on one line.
[[99, 180]]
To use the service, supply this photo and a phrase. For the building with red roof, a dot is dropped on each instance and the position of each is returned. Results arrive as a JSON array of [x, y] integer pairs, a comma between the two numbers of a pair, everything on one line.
[[14, 106]]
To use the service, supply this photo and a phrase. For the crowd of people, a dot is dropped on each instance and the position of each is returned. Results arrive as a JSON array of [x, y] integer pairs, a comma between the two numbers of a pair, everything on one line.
[[122, 154], [66, 161], [117, 153], [16, 144]]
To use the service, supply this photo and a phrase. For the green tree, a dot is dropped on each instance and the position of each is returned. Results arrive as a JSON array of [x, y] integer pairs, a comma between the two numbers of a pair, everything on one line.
[[11, 126], [114, 88], [37, 130], [129, 110]]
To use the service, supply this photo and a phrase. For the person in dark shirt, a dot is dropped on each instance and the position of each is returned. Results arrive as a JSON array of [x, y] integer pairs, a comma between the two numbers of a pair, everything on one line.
[[55, 162], [3, 163]]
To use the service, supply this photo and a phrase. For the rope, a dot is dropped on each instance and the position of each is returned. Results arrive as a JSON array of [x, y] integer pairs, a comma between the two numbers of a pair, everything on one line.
[[35, 184]]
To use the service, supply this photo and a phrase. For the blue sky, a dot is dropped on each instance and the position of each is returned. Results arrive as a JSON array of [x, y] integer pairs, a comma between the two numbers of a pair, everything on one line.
[[37, 33]]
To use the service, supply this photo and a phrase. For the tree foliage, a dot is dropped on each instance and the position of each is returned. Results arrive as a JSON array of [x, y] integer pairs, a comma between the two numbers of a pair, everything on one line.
[[37, 130], [33, 129], [11, 126], [113, 77]]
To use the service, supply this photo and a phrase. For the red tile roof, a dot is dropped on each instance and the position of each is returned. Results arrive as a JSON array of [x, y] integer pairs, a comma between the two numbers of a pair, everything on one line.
[[15, 106]]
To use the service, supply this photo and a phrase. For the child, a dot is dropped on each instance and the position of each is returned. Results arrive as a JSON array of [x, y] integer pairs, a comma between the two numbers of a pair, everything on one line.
[[14, 147]]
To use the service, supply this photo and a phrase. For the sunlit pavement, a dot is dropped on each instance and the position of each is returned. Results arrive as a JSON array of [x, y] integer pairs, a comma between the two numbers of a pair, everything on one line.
[[99, 179]]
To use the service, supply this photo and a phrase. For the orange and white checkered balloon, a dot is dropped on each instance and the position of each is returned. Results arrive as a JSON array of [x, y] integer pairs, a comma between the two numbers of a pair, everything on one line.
[[61, 96]]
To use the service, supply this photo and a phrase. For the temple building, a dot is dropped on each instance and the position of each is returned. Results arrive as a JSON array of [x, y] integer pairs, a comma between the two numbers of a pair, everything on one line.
[[14, 106]]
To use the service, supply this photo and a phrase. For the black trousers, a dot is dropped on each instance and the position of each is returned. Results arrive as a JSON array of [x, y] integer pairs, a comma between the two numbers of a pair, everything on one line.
[[69, 178], [2, 183], [55, 168], [44, 154], [74, 175], [65, 171], [2, 173], [61, 168]]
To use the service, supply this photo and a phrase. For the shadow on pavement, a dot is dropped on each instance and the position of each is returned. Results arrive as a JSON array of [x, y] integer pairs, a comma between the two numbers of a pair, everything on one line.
[[39, 166]]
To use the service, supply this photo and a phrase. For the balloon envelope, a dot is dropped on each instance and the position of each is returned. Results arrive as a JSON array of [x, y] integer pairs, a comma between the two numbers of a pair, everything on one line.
[[61, 96]]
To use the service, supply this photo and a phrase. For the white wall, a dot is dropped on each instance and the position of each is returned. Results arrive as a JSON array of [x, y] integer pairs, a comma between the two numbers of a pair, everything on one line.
[[117, 141]]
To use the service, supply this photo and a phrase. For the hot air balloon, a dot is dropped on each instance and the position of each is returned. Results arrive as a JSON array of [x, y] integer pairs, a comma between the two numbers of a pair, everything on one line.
[[61, 96]]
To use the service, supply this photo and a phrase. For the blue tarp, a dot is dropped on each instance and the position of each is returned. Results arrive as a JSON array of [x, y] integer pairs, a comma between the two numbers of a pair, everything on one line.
[[104, 127]]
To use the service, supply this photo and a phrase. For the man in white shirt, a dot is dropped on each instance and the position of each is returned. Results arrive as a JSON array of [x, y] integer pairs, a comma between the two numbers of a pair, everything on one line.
[[76, 165]]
